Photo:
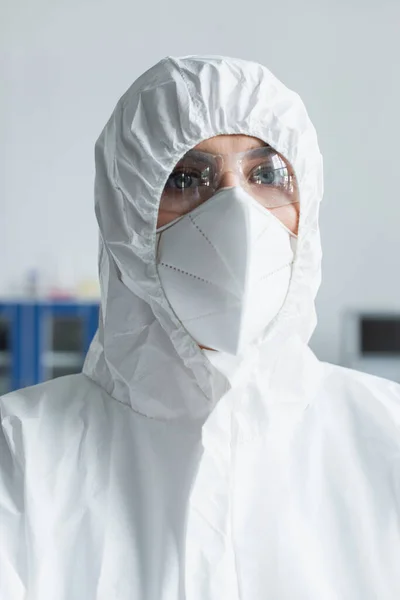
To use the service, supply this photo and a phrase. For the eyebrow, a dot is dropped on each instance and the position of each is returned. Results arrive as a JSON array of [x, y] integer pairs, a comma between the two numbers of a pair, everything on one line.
[[205, 152]]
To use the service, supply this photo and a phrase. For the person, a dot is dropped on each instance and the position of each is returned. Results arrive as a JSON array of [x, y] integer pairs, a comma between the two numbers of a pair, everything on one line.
[[204, 453]]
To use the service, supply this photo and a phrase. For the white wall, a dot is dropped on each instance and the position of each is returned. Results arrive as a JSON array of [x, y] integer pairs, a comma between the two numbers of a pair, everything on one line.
[[65, 64]]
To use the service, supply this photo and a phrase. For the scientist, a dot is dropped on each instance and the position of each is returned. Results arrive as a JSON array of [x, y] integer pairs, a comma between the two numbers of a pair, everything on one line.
[[204, 453]]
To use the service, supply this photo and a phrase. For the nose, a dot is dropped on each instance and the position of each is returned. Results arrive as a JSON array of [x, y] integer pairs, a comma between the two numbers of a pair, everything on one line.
[[228, 179]]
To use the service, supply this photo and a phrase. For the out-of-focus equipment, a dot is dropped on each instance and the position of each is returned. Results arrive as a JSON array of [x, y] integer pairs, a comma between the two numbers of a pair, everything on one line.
[[371, 343], [41, 340]]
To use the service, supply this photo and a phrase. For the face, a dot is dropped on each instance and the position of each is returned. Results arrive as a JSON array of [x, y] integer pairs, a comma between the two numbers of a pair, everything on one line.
[[257, 154]]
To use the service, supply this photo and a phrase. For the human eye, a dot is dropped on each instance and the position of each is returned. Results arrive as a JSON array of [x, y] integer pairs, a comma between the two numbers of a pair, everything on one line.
[[189, 184], [183, 179], [269, 174]]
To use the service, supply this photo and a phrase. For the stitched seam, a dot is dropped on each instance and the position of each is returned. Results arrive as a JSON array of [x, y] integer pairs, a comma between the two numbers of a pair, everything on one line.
[[263, 231], [186, 273], [129, 406], [193, 97], [218, 311], [215, 312], [276, 271], [202, 232], [223, 261]]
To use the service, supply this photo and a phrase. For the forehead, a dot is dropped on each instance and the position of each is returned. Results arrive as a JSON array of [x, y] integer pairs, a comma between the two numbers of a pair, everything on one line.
[[224, 144]]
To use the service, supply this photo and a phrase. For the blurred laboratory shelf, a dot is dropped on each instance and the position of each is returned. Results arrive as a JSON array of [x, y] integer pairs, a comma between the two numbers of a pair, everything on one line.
[[59, 360], [5, 359], [43, 339]]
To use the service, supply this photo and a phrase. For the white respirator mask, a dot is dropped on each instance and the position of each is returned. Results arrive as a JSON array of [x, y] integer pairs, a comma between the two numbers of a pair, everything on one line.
[[225, 268]]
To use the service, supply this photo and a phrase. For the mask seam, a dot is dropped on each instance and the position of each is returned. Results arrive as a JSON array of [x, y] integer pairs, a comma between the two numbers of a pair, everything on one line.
[[192, 220], [187, 273], [276, 271], [218, 311]]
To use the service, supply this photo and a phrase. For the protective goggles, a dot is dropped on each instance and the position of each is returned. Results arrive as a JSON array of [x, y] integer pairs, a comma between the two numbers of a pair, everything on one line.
[[262, 172]]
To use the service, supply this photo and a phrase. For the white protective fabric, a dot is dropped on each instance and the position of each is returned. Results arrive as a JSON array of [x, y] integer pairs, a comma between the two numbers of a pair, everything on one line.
[[167, 473], [225, 268]]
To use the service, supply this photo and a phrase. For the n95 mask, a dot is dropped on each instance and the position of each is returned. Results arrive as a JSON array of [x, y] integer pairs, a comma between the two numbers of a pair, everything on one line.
[[225, 268]]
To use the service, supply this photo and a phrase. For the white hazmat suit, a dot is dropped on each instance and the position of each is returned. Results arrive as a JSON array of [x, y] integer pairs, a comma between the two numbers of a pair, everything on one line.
[[164, 472]]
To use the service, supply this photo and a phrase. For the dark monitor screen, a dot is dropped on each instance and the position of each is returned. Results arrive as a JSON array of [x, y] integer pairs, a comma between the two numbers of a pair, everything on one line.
[[380, 335]]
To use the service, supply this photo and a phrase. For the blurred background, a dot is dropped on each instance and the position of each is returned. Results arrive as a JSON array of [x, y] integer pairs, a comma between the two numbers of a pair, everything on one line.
[[63, 67]]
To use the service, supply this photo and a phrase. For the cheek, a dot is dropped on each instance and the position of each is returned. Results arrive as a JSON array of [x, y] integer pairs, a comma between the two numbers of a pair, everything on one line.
[[288, 215], [165, 217]]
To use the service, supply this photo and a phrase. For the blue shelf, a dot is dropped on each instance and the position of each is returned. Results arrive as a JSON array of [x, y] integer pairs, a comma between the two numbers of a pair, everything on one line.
[[31, 349], [10, 352]]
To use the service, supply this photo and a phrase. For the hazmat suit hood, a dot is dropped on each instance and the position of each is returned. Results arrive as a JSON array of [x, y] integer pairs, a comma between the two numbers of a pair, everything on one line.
[[142, 355]]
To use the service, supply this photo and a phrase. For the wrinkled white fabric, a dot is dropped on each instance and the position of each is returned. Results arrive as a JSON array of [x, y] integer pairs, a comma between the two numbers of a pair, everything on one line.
[[167, 473], [225, 269]]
